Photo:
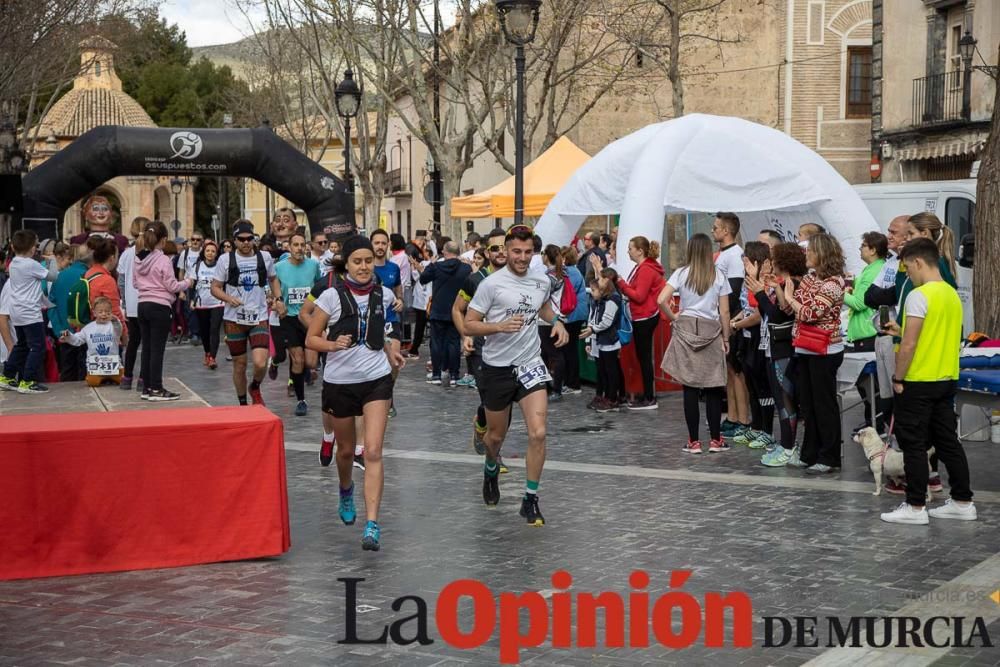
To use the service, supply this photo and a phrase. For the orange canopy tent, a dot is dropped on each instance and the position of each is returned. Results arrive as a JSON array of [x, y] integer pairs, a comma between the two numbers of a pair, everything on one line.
[[543, 178]]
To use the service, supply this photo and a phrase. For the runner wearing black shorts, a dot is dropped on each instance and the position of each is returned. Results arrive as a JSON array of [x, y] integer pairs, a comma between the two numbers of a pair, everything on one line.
[[348, 322], [496, 258], [297, 274], [505, 309]]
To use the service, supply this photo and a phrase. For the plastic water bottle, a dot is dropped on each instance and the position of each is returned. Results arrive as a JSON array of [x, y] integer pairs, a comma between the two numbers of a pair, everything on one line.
[[995, 427]]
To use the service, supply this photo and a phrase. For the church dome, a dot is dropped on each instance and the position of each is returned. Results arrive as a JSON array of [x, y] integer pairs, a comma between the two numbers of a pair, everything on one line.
[[97, 97]]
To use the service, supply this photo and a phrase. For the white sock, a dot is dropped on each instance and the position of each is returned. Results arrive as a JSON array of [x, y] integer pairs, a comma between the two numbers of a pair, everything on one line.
[[327, 437], [359, 450]]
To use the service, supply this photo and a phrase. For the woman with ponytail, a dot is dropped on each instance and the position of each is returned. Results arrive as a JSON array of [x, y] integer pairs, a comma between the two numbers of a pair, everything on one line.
[[929, 226], [157, 287], [642, 288]]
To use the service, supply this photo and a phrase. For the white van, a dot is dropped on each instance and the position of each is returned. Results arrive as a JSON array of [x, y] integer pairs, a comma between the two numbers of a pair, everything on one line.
[[954, 202]]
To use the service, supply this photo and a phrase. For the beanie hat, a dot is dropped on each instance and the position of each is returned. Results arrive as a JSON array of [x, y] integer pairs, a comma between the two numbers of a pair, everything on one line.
[[353, 243]]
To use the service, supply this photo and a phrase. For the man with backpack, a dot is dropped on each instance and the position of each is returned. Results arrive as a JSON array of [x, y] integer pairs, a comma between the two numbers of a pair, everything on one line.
[[240, 278], [447, 278]]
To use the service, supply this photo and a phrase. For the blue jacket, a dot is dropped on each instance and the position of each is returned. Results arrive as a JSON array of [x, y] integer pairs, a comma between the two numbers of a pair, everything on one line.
[[447, 277], [59, 295], [579, 314]]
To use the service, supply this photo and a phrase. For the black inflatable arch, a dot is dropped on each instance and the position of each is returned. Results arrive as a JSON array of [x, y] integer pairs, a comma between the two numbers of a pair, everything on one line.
[[108, 151]]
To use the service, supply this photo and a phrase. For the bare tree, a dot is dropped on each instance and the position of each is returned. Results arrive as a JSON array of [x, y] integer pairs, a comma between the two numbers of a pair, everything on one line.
[[985, 277], [662, 31]]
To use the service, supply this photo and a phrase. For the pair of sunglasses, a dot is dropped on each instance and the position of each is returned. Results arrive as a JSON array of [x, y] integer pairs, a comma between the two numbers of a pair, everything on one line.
[[517, 229]]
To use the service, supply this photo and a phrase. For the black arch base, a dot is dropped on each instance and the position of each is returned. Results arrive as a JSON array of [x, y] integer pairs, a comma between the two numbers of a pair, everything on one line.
[[108, 151]]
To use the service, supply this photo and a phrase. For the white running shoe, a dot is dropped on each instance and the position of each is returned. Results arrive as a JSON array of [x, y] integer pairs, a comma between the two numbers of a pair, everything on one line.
[[906, 514], [952, 510]]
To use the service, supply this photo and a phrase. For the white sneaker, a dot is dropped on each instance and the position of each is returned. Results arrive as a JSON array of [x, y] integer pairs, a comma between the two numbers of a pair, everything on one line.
[[952, 510], [906, 514]]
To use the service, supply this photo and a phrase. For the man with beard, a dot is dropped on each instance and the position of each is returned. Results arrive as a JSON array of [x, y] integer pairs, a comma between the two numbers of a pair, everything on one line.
[[283, 225], [99, 218], [506, 310], [496, 258], [388, 274]]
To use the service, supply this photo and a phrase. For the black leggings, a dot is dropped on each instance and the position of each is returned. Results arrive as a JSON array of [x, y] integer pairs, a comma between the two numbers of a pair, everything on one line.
[[608, 372], [642, 334], [781, 373], [713, 410], [571, 354], [553, 358], [420, 325], [132, 349], [154, 324], [758, 385], [209, 326]]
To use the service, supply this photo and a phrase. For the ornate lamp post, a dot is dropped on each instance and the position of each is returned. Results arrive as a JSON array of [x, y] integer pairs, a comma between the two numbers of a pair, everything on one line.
[[966, 49], [176, 185], [347, 97], [518, 20]]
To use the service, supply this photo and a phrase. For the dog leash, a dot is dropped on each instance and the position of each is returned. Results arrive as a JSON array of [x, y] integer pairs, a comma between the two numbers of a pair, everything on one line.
[[888, 437]]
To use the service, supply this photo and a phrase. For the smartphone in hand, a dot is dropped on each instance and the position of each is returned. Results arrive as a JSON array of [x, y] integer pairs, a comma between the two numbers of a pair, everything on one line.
[[883, 316]]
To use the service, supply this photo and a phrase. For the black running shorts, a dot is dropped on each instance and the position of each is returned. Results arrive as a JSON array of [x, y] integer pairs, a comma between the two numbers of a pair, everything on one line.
[[348, 400], [293, 331], [499, 388]]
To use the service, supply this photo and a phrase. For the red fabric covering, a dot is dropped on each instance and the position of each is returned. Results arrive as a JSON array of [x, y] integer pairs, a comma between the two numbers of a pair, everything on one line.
[[104, 492]]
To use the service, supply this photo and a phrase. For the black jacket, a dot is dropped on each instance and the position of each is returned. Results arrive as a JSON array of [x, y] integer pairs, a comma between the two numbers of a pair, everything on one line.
[[447, 277]]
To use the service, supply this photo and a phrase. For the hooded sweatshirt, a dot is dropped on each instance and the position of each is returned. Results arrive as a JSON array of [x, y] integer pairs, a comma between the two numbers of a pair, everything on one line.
[[447, 277], [154, 278], [642, 288]]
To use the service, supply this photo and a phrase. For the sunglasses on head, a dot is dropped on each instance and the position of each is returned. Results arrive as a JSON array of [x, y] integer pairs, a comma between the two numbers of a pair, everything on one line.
[[518, 229], [244, 239]]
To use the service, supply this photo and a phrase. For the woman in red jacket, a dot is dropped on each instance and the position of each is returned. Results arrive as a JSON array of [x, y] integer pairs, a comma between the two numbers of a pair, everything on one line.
[[102, 283], [642, 289]]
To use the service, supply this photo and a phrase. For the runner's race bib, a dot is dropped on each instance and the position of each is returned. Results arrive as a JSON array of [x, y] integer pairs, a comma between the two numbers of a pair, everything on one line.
[[297, 295], [103, 364], [247, 316], [533, 373]]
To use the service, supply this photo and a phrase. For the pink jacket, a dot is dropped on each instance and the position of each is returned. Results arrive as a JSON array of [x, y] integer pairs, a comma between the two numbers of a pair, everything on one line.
[[153, 275]]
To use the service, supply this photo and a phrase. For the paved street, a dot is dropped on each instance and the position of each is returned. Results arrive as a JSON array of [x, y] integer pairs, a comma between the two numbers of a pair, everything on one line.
[[618, 495]]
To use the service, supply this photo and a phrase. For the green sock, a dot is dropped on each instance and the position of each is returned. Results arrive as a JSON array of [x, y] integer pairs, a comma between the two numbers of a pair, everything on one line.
[[491, 468], [532, 487]]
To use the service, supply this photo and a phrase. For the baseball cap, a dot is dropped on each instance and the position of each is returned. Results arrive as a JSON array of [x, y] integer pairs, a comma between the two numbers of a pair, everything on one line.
[[242, 228]]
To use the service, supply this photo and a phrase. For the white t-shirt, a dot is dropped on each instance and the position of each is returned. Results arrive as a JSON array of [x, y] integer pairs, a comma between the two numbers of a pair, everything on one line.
[[26, 298], [537, 266], [402, 260], [700, 305], [254, 308], [187, 261], [324, 263], [730, 262], [421, 293], [5, 310], [501, 295], [100, 339], [204, 286], [357, 363], [130, 294]]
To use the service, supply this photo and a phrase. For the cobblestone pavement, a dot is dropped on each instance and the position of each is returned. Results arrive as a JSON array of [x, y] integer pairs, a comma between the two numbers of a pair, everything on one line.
[[618, 496]]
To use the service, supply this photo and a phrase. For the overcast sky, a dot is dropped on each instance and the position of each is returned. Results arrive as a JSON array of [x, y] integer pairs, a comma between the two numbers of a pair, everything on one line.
[[206, 21]]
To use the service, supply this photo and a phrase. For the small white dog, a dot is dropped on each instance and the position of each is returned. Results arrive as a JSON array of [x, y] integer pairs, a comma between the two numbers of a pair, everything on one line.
[[883, 459]]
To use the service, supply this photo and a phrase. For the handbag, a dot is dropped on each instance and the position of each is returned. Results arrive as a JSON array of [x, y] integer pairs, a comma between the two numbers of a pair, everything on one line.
[[812, 338], [781, 333]]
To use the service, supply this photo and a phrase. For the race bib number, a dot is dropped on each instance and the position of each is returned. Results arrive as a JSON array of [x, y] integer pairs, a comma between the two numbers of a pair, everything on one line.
[[103, 364], [297, 295], [247, 316], [533, 373]]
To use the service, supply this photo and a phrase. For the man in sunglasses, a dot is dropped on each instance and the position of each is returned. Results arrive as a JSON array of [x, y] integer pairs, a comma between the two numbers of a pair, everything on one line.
[[317, 250], [496, 258], [245, 316], [505, 310]]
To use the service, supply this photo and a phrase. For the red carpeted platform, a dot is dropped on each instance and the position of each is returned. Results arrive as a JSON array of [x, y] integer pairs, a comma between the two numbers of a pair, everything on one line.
[[103, 492]]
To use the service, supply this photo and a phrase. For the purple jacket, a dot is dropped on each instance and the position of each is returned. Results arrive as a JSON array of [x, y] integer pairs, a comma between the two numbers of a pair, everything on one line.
[[153, 275]]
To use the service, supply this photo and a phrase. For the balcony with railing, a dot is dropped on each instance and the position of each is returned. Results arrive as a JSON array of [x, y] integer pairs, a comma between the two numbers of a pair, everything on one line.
[[938, 99], [397, 183]]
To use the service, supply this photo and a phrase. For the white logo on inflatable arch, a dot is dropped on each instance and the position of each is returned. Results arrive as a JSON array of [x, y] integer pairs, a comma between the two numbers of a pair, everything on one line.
[[327, 183], [186, 145]]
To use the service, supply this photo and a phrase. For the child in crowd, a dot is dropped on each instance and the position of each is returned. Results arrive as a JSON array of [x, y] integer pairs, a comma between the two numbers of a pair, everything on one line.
[[602, 330], [23, 368], [102, 336]]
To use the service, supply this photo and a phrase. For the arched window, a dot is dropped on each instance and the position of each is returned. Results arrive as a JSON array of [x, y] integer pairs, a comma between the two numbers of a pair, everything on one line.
[[97, 68]]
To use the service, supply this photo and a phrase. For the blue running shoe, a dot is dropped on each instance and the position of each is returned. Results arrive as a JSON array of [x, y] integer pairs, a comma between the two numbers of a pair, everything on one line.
[[346, 509], [369, 542]]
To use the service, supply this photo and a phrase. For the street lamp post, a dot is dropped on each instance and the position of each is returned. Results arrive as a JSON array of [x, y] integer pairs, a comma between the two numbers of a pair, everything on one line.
[[176, 185], [966, 48], [518, 20], [347, 98]]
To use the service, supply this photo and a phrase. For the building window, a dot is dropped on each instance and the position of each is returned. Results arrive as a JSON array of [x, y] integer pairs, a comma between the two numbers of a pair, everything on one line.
[[859, 81], [97, 68], [638, 58], [814, 23]]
